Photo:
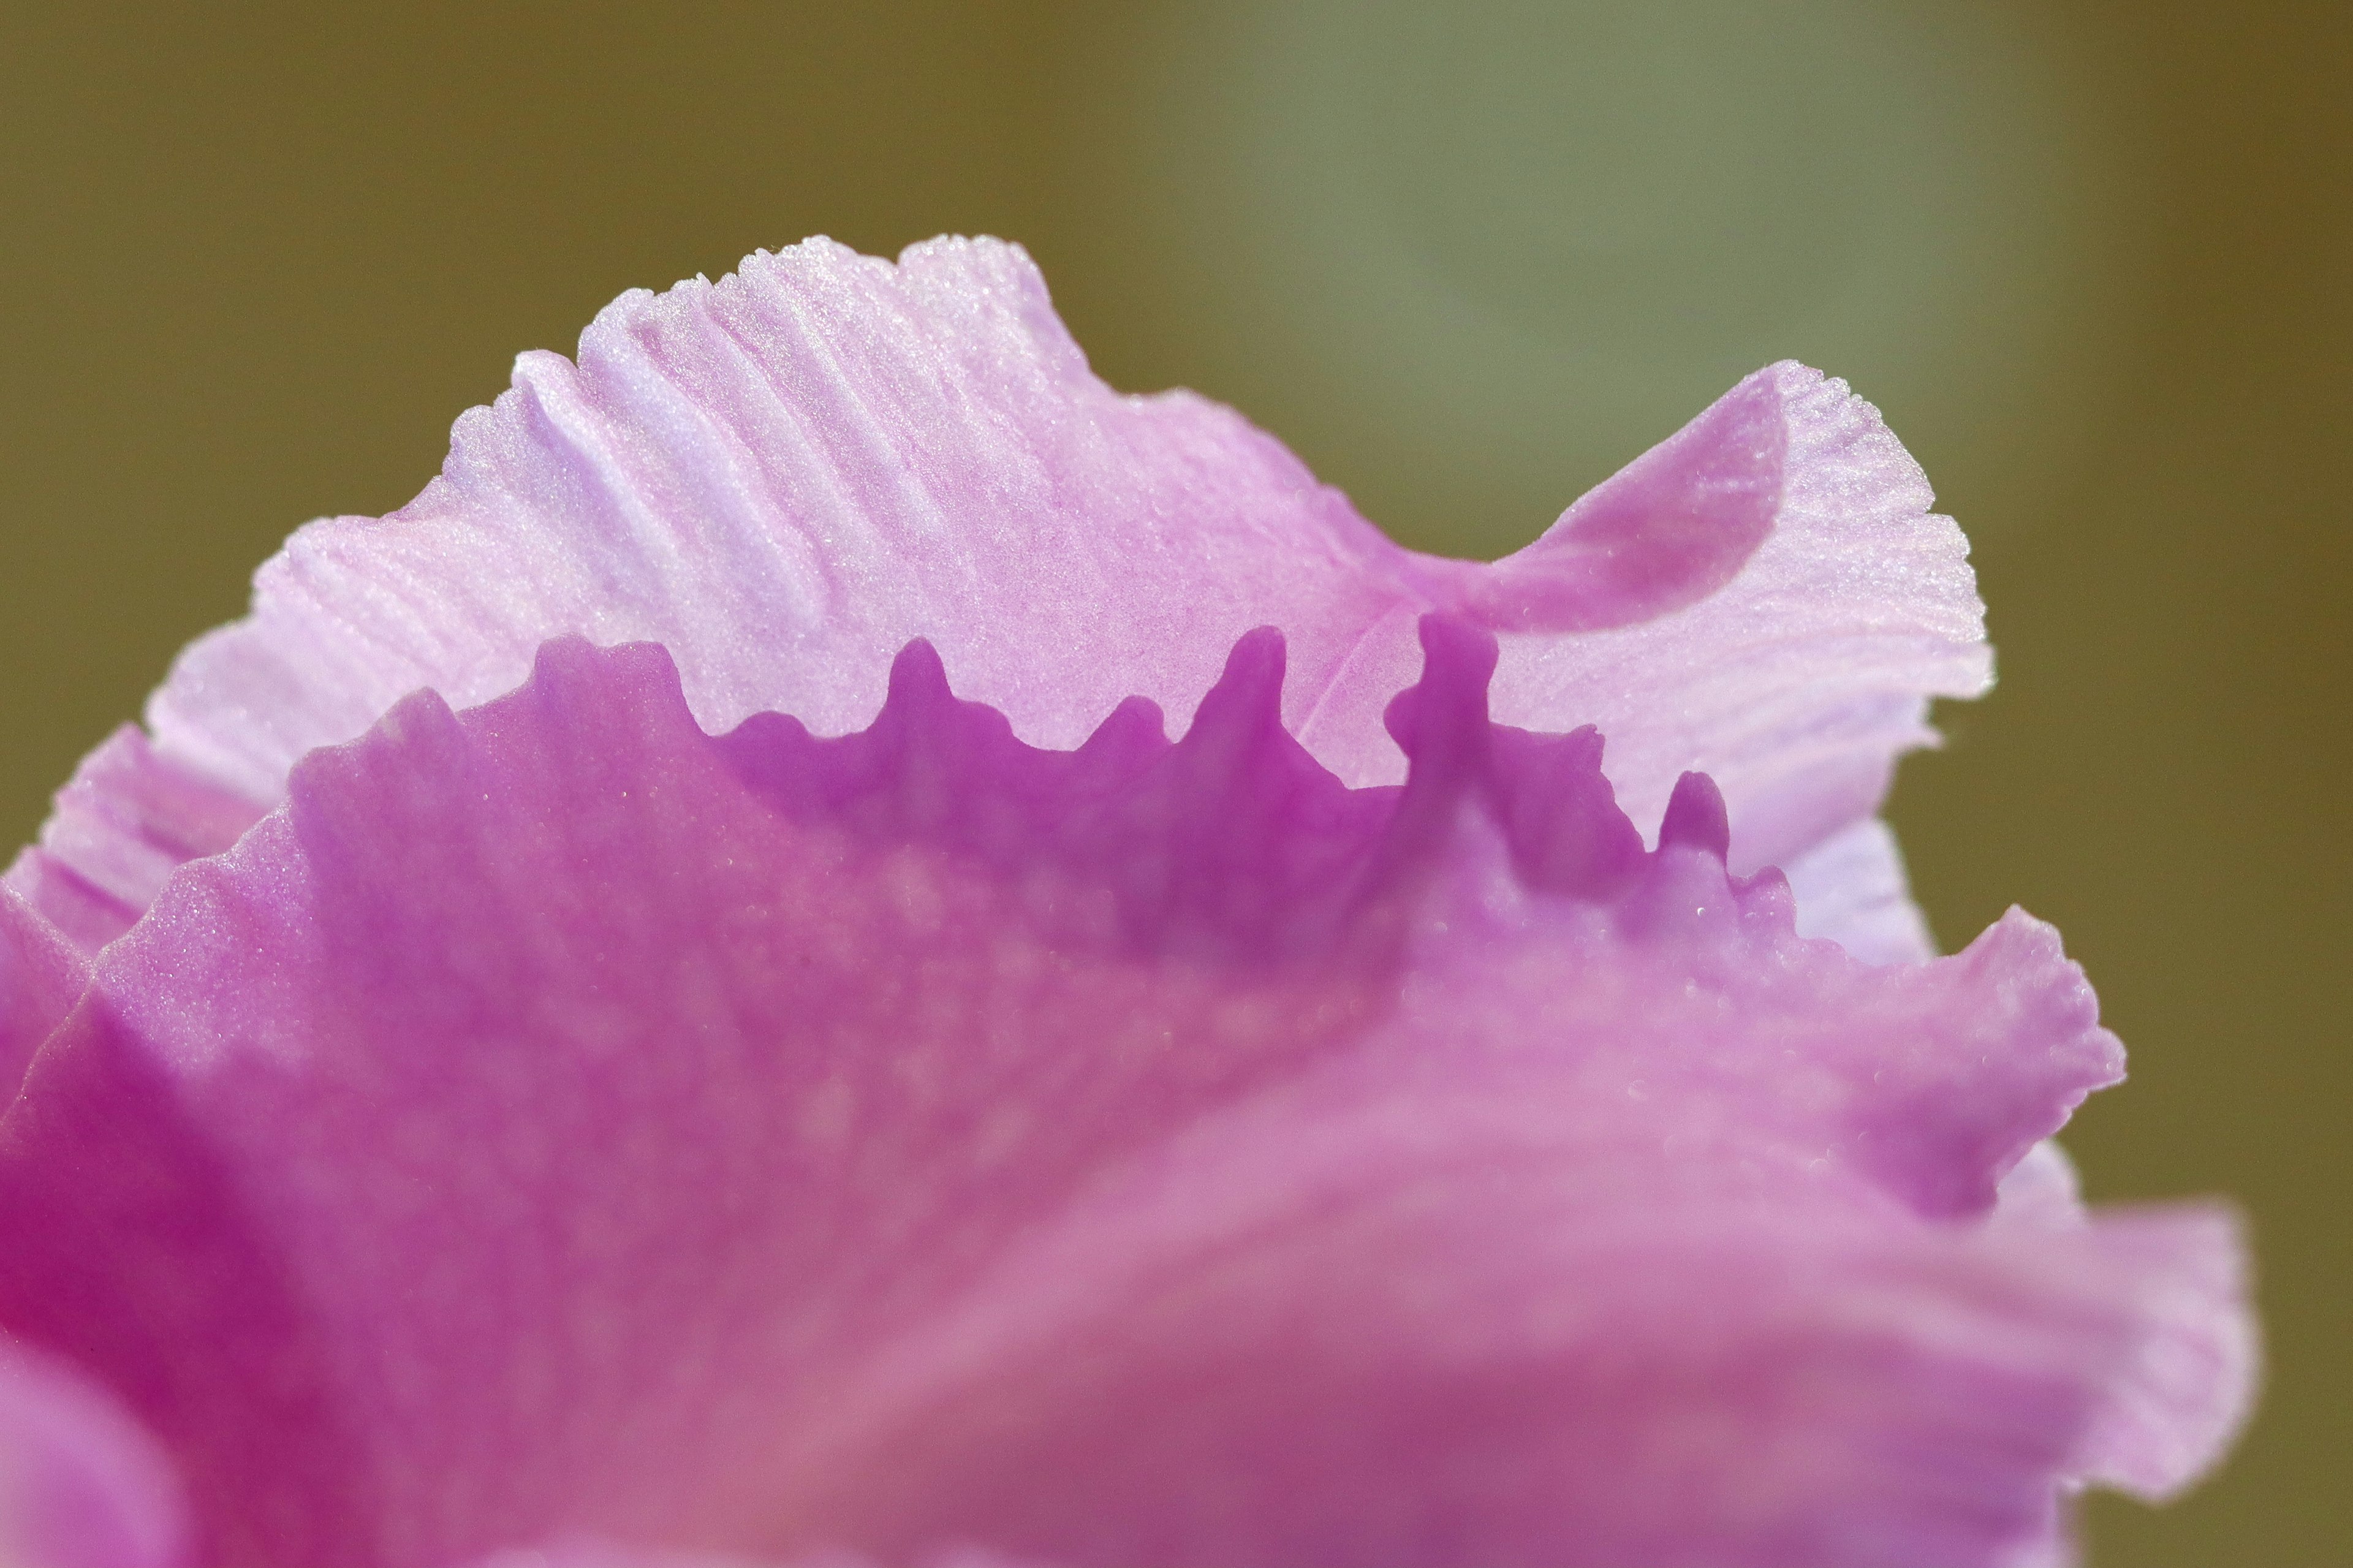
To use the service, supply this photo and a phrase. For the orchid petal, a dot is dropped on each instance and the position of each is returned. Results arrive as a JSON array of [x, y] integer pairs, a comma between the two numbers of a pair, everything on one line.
[[559, 1121], [592, 1554], [126, 821], [41, 975], [1472, 1366], [784, 476], [81, 1486], [606, 1554], [1850, 889], [1797, 685]]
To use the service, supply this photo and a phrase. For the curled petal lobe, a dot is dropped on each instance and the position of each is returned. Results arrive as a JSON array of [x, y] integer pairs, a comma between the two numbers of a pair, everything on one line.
[[1670, 529], [784, 476], [567, 1125], [1797, 684]]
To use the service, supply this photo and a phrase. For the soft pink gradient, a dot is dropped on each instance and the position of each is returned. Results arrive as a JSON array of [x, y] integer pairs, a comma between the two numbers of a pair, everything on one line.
[[557, 1121], [563, 1045], [81, 1485]]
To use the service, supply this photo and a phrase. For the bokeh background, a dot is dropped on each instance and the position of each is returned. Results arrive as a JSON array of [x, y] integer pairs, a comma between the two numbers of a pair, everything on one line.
[[2091, 258]]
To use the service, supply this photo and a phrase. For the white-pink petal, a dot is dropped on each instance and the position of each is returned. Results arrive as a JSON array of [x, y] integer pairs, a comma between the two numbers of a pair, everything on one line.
[[784, 476]]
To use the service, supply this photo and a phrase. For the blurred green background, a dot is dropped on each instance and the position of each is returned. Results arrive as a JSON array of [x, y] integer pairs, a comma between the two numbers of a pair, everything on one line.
[[2093, 260]]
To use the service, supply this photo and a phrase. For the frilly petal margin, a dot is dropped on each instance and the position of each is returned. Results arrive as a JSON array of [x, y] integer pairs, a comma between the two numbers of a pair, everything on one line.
[[557, 1123], [784, 476], [81, 1486]]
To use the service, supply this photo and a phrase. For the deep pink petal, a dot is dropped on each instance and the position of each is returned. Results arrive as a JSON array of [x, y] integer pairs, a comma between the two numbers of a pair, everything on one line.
[[590, 1553], [41, 975], [81, 1486], [557, 1121], [784, 476]]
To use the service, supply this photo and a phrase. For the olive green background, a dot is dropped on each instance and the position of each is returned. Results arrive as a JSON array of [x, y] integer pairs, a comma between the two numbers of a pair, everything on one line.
[[2092, 259]]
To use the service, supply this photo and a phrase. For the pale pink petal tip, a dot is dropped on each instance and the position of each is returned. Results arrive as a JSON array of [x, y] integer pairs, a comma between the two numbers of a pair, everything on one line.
[[81, 1486], [558, 1123], [784, 476], [2195, 1369]]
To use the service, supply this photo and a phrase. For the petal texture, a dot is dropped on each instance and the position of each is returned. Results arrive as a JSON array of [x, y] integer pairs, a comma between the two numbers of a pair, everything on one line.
[[784, 476], [81, 1486], [559, 1122], [41, 974]]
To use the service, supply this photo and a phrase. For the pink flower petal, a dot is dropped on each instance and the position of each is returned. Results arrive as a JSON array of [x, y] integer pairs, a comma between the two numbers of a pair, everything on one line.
[[1851, 887], [604, 1554], [589, 1554], [128, 819], [784, 476], [81, 1486], [1476, 1365], [41, 976], [559, 1122]]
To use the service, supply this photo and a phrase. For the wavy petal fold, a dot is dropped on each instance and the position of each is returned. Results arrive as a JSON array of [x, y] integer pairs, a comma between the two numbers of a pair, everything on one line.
[[784, 476], [557, 1123]]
